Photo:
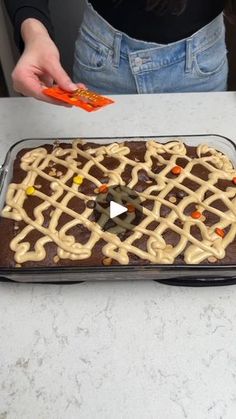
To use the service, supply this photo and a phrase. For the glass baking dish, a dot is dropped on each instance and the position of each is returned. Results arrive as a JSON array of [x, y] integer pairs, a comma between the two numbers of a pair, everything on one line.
[[192, 275]]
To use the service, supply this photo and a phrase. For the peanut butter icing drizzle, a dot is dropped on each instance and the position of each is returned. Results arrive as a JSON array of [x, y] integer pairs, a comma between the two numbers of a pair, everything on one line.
[[158, 251]]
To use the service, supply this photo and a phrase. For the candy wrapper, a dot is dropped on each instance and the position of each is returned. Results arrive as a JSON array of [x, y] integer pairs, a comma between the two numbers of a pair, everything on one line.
[[85, 99]]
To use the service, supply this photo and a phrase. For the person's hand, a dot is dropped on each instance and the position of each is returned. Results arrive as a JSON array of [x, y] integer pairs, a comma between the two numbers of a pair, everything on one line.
[[39, 65]]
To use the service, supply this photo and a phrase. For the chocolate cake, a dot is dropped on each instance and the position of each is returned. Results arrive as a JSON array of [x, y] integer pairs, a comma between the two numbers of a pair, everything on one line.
[[181, 205]]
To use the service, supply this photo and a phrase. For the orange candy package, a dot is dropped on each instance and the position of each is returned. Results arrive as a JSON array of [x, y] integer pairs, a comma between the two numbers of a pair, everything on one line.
[[85, 99]]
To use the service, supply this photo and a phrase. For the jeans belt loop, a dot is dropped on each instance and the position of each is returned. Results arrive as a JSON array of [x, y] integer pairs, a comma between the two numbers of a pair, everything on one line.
[[189, 55], [116, 49]]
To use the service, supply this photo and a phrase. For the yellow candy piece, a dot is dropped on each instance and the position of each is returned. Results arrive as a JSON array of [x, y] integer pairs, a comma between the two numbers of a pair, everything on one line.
[[78, 180], [30, 190]]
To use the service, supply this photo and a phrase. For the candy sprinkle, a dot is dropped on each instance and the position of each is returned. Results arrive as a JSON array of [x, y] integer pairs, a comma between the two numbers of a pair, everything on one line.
[[130, 207], [212, 259], [172, 199], [56, 259], [78, 180], [30, 190], [180, 194], [220, 232], [107, 261], [104, 180], [18, 265], [196, 215], [91, 204], [103, 188], [176, 170]]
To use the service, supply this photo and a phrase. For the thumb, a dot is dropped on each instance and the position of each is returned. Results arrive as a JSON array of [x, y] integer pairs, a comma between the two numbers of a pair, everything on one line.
[[61, 77]]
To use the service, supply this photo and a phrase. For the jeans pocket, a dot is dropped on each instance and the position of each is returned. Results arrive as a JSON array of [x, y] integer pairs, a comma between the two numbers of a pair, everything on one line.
[[90, 53], [211, 60]]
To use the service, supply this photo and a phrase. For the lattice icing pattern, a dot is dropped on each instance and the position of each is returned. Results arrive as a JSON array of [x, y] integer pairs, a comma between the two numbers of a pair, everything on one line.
[[208, 243]]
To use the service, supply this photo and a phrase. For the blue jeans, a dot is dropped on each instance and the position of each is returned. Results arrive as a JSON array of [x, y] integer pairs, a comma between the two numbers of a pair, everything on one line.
[[110, 62]]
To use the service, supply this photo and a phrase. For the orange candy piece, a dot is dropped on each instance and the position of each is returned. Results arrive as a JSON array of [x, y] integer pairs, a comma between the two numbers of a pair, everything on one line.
[[220, 232], [196, 215], [234, 180], [103, 188], [83, 98], [130, 207], [176, 170]]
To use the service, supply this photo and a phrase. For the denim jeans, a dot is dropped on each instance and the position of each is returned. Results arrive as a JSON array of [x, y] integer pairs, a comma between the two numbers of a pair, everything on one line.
[[111, 62]]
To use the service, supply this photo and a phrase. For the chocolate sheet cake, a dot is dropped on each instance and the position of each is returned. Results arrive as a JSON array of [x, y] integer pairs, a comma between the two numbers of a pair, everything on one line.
[[181, 208]]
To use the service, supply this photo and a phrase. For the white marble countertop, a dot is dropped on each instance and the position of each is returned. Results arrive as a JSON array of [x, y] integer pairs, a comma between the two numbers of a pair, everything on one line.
[[118, 350]]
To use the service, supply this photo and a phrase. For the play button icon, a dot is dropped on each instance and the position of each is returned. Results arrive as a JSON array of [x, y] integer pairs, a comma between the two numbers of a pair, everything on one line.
[[116, 209]]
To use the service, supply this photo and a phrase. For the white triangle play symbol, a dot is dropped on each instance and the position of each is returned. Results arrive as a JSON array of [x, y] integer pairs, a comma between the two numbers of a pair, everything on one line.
[[116, 209]]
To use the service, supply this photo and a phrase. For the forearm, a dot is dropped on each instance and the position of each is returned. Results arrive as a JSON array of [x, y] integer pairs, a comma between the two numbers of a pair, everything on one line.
[[32, 28], [39, 64], [23, 10]]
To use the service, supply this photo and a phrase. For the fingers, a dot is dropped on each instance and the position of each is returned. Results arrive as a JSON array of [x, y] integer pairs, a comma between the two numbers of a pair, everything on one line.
[[30, 80], [46, 80], [81, 86], [32, 86], [61, 77], [26, 83]]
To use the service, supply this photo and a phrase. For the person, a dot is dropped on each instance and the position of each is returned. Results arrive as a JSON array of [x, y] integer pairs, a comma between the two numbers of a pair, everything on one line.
[[125, 47]]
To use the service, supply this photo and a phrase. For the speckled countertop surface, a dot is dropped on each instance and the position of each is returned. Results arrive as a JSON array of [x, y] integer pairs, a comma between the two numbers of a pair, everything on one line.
[[118, 350]]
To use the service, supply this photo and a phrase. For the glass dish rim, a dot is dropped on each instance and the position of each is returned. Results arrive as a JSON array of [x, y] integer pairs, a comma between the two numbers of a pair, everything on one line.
[[115, 268], [118, 137]]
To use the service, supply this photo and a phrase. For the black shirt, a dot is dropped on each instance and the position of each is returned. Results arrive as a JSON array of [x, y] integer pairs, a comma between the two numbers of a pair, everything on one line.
[[132, 18], [129, 16]]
